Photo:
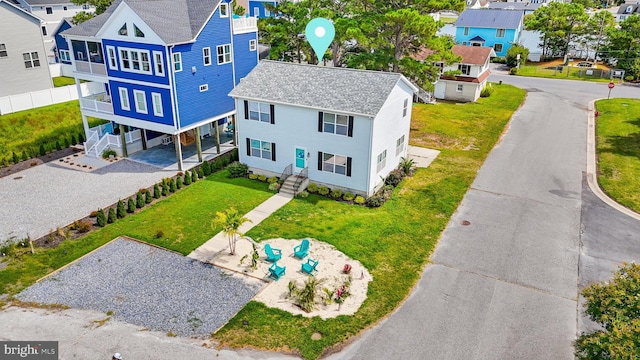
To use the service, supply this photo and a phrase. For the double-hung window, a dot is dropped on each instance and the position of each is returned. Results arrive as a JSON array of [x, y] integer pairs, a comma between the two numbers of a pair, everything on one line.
[[124, 99], [466, 31], [405, 107], [156, 98], [336, 124], [64, 55], [224, 54], [334, 163], [252, 45], [259, 111], [140, 101], [399, 145], [111, 54], [500, 33], [135, 61], [261, 149], [31, 60], [382, 161], [464, 69], [3, 50], [206, 56], [158, 61], [177, 62], [497, 47]]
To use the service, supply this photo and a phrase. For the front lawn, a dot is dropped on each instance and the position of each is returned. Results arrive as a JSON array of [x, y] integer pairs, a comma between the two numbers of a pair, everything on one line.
[[562, 72], [60, 81], [618, 150], [394, 241], [181, 222]]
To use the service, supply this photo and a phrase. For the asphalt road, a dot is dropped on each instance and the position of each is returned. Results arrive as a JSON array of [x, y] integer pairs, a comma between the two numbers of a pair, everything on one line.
[[506, 286]]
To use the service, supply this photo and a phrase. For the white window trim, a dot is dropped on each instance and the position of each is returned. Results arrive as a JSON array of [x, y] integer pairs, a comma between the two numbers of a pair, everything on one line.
[[262, 116], [253, 45], [204, 87], [123, 91], [256, 11], [459, 88], [156, 99], [135, 99], [261, 150], [206, 58], [64, 55], [381, 161], [158, 58], [130, 53], [399, 145], [178, 61], [111, 56], [405, 107], [223, 54], [504, 33], [226, 10], [332, 162], [267, 13], [468, 67], [335, 124]]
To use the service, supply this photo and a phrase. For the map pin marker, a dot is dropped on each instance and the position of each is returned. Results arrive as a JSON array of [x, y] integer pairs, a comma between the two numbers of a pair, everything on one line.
[[320, 33]]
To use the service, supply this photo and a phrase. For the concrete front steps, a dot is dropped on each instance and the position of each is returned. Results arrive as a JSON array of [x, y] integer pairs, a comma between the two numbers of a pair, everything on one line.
[[288, 186]]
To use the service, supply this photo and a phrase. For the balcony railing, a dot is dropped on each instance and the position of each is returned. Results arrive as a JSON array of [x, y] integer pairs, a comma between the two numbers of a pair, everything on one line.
[[97, 102], [244, 25], [90, 67]]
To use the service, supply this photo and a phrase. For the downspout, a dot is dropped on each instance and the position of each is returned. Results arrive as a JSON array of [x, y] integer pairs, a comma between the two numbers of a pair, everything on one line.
[[174, 98], [370, 155], [233, 50]]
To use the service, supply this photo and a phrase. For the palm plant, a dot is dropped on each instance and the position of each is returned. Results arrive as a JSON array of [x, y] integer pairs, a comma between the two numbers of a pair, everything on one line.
[[230, 220], [407, 165]]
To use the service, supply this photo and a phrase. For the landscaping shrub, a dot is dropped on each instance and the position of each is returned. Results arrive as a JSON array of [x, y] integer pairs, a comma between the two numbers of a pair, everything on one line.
[[200, 173], [312, 188], [58, 147], [82, 226], [513, 71], [42, 150], [348, 196], [80, 138], [74, 141], [394, 178], [159, 234], [386, 192], [107, 152], [15, 158], [101, 219], [131, 206], [66, 143], [148, 198], [487, 91], [112, 216], [359, 200], [303, 194], [122, 211], [194, 175], [407, 165], [25, 157], [323, 190], [272, 180], [172, 185], [237, 169], [336, 194], [179, 182], [274, 187], [156, 191], [165, 187], [215, 165], [375, 201], [262, 177], [629, 78], [206, 168], [187, 178], [139, 200], [253, 176], [93, 214]]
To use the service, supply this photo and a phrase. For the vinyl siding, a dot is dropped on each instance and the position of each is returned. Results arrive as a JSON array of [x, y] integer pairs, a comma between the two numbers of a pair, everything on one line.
[[245, 60]]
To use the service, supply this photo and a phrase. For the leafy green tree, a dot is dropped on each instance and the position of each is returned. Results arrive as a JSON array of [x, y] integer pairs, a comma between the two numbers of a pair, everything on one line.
[[596, 32], [285, 31], [100, 6], [513, 52], [616, 307], [230, 220], [623, 46], [560, 24]]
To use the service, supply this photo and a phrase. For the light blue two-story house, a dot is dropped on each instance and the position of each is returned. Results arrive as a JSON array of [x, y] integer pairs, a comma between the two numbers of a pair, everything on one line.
[[166, 67], [487, 27]]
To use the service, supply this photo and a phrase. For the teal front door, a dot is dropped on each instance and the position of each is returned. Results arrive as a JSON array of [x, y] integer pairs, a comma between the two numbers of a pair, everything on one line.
[[300, 158]]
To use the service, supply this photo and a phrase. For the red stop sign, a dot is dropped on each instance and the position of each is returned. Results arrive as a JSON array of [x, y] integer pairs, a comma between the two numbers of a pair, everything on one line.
[[611, 85]]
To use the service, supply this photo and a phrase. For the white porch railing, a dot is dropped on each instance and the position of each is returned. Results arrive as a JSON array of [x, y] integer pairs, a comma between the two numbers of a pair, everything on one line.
[[90, 67], [97, 102], [245, 24], [109, 140]]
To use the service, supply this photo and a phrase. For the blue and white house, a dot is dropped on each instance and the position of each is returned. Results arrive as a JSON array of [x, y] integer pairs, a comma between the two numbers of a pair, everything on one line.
[[167, 67], [343, 128], [487, 27], [62, 54]]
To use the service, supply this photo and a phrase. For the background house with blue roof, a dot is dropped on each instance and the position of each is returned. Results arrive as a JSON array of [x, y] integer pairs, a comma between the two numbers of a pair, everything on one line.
[[487, 27], [166, 67], [343, 128]]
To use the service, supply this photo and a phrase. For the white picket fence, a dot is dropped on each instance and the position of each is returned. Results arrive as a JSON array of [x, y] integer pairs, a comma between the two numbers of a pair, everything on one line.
[[35, 99]]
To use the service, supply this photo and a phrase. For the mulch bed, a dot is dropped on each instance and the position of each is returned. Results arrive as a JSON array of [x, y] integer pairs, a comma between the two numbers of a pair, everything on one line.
[[24, 165]]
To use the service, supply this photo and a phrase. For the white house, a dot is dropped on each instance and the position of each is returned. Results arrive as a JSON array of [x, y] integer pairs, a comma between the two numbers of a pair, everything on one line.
[[474, 71], [343, 128], [23, 63]]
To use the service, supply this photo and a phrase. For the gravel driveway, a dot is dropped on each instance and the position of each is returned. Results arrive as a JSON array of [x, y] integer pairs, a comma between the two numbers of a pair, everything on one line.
[[149, 287]]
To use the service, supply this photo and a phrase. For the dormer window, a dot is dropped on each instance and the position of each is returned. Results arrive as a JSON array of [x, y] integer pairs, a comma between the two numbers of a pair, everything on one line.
[[138, 32], [628, 9], [123, 30]]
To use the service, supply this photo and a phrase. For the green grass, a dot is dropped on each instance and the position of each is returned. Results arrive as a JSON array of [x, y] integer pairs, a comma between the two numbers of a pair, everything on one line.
[[184, 219], [618, 149], [25, 131], [448, 20], [394, 241], [59, 81], [574, 73]]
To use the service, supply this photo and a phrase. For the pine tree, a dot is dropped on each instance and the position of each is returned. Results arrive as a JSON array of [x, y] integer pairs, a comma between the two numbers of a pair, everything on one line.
[[206, 168], [139, 200], [42, 150], [165, 187], [101, 219], [187, 178], [112, 216], [131, 205], [156, 191], [172, 185], [194, 175], [179, 182], [122, 212], [147, 197]]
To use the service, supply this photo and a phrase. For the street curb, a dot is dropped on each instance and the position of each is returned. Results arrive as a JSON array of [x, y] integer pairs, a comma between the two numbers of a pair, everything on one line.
[[592, 165]]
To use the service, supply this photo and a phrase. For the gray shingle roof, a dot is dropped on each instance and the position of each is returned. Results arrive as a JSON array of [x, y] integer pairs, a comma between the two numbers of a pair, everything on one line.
[[175, 21], [514, 6], [490, 18], [327, 88], [48, 2]]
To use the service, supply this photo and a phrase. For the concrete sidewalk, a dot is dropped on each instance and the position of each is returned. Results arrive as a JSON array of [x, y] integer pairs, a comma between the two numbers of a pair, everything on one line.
[[219, 243]]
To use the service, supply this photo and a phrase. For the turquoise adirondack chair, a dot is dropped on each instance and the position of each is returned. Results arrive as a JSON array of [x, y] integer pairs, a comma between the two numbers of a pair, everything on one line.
[[273, 254], [276, 271], [310, 266], [301, 250]]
